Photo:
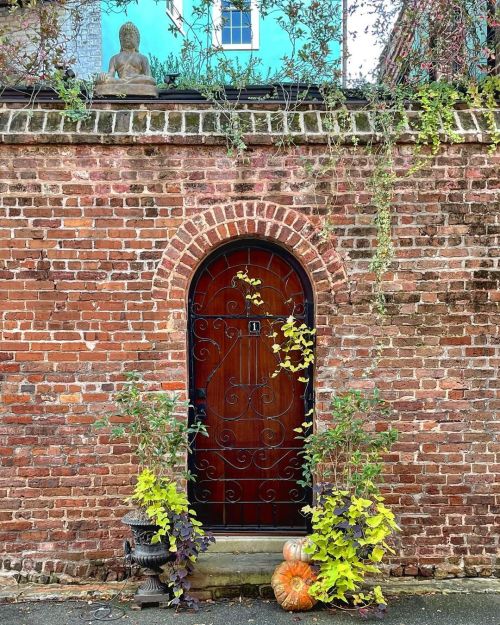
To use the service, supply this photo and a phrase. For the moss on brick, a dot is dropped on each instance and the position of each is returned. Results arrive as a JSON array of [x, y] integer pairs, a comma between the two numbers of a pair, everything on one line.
[[293, 121], [261, 121], [18, 121], [4, 120], [362, 122], [36, 119], [209, 122], [311, 122], [53, 122], [157, 121], [192, 122], [88, 124], [466, 120], [140, 121], [225, 122], [277, 122], [482, 122], [175, 122], [245, 122], [122, 121], [69, 125], [105, 123]]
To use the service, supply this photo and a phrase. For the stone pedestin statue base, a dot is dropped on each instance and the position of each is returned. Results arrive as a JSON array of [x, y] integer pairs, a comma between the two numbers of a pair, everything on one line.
[[116, 88]]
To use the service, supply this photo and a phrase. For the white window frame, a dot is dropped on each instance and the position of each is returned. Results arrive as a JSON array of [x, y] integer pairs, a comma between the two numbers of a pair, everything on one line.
[[176, 14], [217, 32]]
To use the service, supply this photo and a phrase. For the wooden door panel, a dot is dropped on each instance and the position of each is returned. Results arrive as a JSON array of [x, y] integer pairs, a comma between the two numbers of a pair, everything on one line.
[[247, 469]]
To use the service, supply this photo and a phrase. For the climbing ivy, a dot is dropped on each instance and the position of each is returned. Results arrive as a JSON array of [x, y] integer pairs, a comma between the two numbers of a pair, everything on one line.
[[444, 58], [293, 341]]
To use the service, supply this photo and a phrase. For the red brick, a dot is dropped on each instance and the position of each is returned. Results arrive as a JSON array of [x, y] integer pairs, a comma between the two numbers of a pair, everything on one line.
[[96, 281]]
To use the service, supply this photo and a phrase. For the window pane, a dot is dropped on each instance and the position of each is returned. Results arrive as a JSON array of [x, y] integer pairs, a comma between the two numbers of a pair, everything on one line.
[[226, 35], [236, 26], [236, 35], [246, 35]]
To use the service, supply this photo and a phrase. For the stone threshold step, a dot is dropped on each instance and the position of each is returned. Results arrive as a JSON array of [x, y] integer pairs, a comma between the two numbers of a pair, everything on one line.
[[217, 570], [248, 544]]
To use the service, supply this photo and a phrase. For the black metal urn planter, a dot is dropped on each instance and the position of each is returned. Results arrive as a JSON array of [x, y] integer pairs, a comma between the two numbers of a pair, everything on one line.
[[151, 557]]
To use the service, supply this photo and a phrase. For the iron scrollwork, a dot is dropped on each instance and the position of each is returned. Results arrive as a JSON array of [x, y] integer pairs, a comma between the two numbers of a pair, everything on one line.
[[238, 475]]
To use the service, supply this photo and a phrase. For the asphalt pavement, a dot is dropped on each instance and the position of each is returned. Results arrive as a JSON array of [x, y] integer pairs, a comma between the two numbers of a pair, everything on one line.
[[453, 609]]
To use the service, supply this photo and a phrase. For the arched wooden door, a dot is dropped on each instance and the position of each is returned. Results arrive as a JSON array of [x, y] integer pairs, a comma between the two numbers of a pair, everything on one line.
[[247, 468]]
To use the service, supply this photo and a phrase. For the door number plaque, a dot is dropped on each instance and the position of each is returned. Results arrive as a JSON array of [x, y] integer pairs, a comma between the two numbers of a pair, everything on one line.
[[254, 327]]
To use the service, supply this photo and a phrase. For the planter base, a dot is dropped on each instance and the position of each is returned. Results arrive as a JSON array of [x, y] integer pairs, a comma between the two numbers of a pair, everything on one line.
[[151, 556]]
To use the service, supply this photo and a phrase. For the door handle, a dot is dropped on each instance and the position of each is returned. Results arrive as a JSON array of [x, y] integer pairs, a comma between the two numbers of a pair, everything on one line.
[[201, 411]]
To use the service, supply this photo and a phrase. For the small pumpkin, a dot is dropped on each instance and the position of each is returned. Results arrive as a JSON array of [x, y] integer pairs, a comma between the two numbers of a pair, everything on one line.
[[293, 549], [291, 582]]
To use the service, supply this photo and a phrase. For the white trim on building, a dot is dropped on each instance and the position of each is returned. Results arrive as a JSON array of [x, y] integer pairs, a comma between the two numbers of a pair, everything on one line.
[[218, 27], [174, 10]]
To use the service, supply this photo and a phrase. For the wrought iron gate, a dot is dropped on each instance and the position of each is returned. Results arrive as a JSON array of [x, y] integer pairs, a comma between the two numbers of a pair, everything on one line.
[[247, 469]]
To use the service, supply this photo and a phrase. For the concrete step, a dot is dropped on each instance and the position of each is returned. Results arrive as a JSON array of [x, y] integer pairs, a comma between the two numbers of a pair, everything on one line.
[[219, 574], [249, 544]]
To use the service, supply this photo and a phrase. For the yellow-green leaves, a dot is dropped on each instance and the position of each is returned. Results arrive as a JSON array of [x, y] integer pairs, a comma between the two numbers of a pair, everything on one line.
[[305, 425], [159, 497], [293, 343], [348, 541]]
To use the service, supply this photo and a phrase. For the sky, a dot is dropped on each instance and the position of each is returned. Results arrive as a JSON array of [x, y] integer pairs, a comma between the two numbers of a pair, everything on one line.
[[364, 49]]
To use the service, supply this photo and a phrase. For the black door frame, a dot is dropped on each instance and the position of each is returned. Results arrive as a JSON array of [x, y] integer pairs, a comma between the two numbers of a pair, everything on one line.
[[309, 320]]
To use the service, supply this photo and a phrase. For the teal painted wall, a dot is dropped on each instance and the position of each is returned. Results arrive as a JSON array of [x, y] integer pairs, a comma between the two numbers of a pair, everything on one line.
[[153, 23]]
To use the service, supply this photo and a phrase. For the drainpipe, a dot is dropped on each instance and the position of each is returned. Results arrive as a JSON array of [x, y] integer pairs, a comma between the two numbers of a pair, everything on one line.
[[345, 51]]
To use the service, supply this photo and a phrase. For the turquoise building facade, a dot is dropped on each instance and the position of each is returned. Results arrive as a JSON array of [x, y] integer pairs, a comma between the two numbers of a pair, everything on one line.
[[243, 35]]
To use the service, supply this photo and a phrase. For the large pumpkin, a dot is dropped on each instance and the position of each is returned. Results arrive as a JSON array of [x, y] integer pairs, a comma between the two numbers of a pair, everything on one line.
[[291, 582], [293, 549]]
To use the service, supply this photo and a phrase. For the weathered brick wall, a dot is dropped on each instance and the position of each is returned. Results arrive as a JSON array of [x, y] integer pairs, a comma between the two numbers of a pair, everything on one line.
[[81, 38], [99, 234]]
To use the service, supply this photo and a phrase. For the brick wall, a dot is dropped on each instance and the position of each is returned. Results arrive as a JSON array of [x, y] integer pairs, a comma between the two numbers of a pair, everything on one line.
[[81, 38], [101, 227]]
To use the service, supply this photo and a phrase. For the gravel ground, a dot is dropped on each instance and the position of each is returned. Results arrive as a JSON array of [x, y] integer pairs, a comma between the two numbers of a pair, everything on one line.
[[466, 609]]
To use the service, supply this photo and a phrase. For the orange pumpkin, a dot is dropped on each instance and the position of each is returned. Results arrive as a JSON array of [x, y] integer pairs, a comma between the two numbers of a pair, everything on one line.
[[293, 549], [291, 581]]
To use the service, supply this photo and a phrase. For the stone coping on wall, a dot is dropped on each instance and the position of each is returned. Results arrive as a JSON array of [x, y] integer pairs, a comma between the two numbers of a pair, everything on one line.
[[199, 124]]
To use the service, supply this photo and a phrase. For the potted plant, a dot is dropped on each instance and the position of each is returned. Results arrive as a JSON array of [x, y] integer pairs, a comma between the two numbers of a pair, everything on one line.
[[164, 527], [350, 523]]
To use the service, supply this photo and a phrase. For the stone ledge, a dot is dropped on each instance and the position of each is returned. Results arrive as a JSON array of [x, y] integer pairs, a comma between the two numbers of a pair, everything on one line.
[[391, 588], [200, 125]]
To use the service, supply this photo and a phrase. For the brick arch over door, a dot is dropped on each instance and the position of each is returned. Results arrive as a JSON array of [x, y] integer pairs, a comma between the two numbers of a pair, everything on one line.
[[204, 232]]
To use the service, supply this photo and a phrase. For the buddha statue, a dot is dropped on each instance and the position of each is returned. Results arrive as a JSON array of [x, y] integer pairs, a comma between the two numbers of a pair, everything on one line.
[[132, 67]]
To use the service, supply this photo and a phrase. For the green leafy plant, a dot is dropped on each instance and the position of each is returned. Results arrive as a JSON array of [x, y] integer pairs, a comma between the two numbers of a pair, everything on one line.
[[162, 436], [350, 522], [158, 496], [436, 121], [162, 439], [349, 541], [346, 455], [485, 95], [70, 92], [178, 528], [161, 69], [293, 341]]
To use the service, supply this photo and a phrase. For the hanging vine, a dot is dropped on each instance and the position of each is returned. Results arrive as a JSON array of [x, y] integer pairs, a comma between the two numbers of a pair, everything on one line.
[[437, 54]]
